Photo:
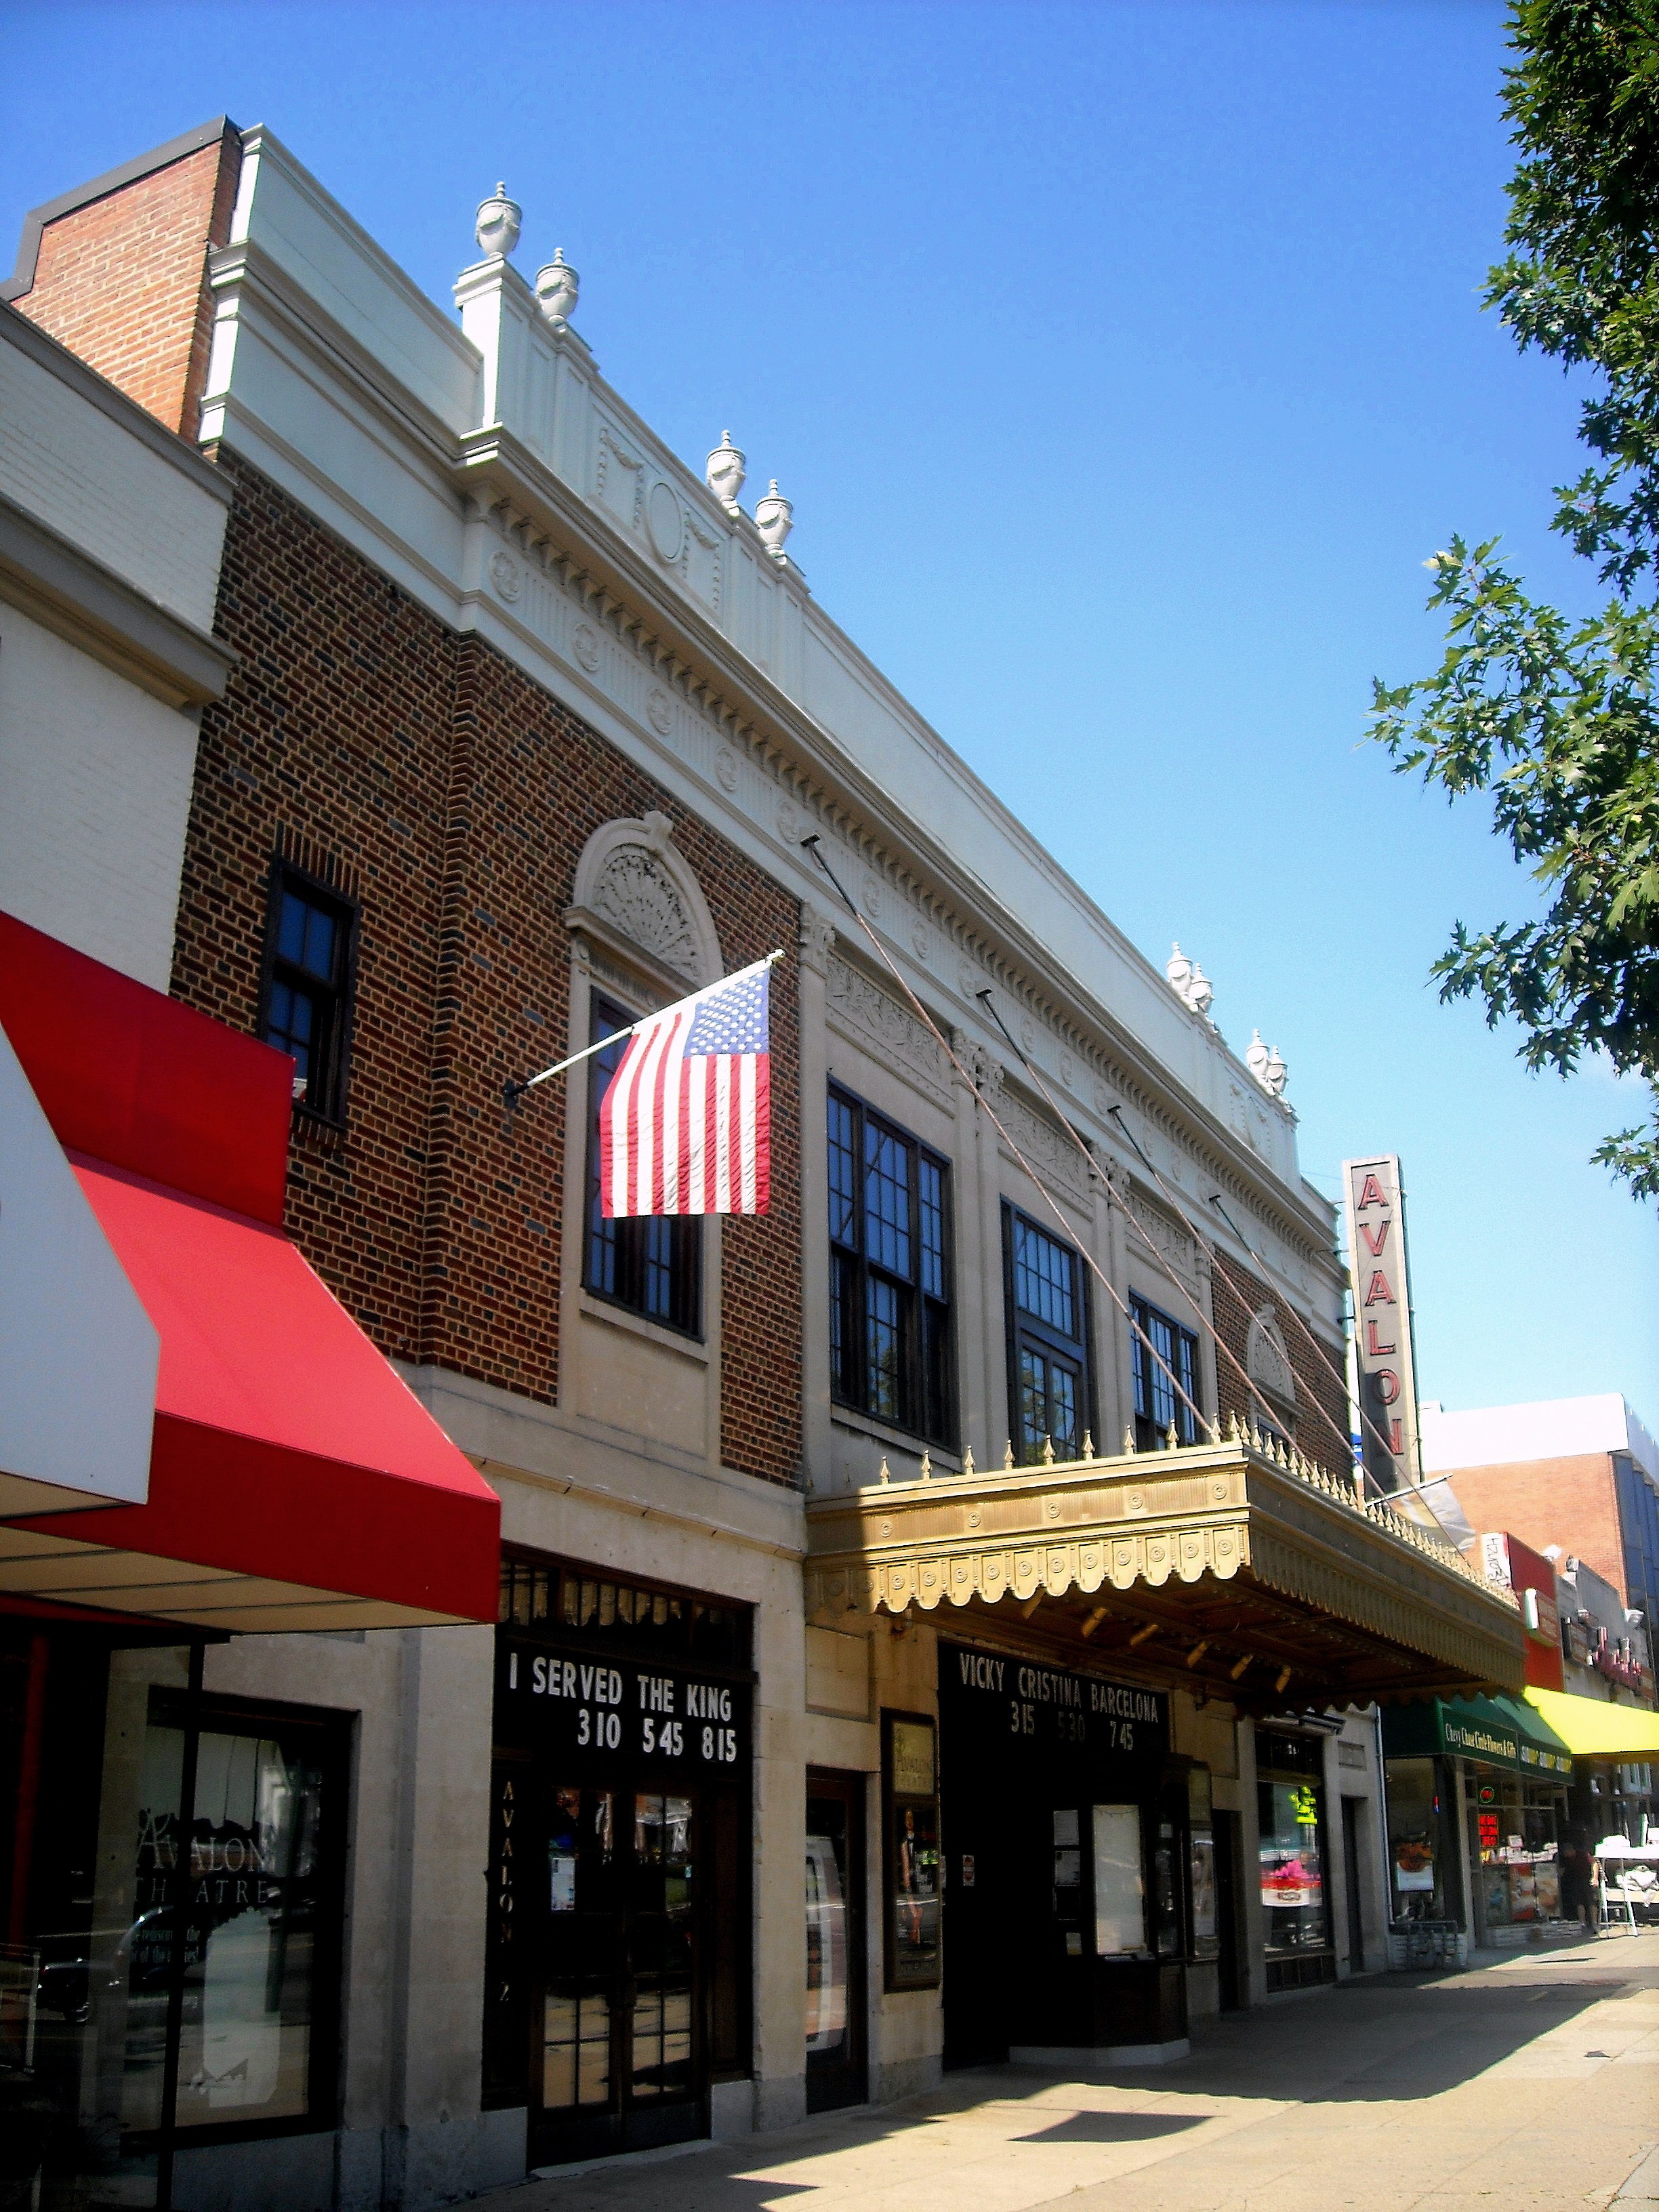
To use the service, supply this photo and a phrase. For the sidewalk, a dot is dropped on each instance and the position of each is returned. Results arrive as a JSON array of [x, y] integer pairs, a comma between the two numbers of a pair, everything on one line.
[[1528, 2086]]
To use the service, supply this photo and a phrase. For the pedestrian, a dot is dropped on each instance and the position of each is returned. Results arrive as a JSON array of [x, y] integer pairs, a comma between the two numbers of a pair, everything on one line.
[[1580, 1876]]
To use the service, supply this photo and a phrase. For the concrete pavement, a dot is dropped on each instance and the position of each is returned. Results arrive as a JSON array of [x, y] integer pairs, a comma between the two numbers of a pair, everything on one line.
[[1527, 2085]]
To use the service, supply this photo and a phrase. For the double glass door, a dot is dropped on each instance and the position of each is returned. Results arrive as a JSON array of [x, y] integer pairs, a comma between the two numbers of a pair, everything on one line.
[[620, 2062]]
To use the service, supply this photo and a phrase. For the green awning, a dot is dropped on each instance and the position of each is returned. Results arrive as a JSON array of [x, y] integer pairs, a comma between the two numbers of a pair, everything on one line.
[[1497, 1731]]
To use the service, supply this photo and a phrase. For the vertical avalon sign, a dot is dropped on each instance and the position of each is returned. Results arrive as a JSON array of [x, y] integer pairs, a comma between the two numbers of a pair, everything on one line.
[[1382, 1319]]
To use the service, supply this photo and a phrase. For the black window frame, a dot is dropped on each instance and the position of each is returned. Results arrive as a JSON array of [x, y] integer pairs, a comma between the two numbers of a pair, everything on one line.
[[924, 1320], [324, 1098], [631, 1238], [1152, 1435], [1026, 1330]]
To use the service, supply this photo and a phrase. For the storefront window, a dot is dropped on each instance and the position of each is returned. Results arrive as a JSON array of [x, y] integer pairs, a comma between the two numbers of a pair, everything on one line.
[[1515, 1827], [1291, 1810], [175, 1875], [910, 1776]]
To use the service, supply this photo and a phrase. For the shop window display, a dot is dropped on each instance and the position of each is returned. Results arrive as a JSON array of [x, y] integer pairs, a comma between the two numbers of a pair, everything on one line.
[[909, 1774]]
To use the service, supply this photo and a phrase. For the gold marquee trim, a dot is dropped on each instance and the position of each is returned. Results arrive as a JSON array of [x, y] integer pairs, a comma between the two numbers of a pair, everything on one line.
[[1204, 1512]]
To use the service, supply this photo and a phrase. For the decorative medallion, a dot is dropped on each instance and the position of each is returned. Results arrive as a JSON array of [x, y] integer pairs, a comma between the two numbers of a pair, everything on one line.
[[725, 768], [919, 938], [504, 574], [586, 647], [788, 820], [665, 524], [659, 712]]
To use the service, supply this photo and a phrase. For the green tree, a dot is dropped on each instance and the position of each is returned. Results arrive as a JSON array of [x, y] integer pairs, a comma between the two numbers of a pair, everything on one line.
[[1556, 718]]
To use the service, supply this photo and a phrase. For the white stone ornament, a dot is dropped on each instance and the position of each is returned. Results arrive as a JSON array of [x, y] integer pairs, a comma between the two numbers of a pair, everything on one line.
[[499, 220], [774, 520], [558, 287], [726, 474], [1189, 983], [1266, 1064]]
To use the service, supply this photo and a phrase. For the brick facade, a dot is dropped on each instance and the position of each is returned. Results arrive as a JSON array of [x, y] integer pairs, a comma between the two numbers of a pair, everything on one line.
[[1572, 1502], [1316, 1385], [122, 280], [423, 774]]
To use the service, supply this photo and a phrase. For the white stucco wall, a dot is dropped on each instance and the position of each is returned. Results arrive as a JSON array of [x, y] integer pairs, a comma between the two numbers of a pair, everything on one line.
[[135, 509], [95, 796]]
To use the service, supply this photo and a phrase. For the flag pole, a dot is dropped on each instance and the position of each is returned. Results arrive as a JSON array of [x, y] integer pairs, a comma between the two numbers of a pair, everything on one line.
[[516, 1088]]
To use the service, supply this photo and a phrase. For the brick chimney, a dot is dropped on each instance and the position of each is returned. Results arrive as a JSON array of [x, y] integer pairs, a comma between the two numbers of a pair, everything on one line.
[[117, 270]]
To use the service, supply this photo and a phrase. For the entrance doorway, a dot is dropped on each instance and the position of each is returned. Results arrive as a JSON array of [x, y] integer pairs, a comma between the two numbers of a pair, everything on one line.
[[836, 1942], [618, 1942], [1064, 1831], [622, 2063]]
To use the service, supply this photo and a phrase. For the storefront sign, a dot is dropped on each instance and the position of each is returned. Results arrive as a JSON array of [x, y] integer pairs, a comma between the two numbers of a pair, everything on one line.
[[1504, 1559], [1382, 1319], [618, 1705], [1048, 1707], [1489, 1730]]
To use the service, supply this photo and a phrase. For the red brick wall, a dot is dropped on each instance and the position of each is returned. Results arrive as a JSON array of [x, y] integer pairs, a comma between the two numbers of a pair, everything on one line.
[[1321, 1439], [123, 281], [1572, 1502], [453, 796]]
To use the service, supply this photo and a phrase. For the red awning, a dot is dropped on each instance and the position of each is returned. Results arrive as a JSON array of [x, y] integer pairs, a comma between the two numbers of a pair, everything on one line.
[[295, 1481], [290, 1460]]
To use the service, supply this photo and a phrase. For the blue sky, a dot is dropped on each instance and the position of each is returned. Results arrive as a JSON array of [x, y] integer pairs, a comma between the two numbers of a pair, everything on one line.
[[1123, 364]]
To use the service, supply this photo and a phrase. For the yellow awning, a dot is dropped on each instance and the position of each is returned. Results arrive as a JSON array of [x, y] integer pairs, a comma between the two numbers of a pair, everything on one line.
[[1592, 1729]]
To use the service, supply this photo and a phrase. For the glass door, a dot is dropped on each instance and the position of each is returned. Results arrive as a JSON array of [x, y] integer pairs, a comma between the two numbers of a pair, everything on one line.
[[620, 2061]]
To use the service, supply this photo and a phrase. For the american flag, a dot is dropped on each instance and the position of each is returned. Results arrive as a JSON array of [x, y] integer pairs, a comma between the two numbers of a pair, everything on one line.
[[686, 1125]]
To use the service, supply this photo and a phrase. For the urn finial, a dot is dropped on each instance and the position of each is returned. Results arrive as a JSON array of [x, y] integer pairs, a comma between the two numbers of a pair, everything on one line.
[[774, 520], [724, 472], [499, 220], [558, 287]]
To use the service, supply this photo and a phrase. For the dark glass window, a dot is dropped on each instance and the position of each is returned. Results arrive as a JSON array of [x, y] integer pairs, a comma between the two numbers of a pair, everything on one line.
[[309, 946], [1048, 1321], [890, 1272], [644, 1621], [650, 1263], [1157, 1402]]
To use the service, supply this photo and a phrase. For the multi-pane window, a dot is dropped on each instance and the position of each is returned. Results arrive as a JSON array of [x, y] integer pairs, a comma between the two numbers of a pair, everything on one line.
[[650, 1263], [890, 1272], [1048, 1315], [1157, 1401], [309, 949]]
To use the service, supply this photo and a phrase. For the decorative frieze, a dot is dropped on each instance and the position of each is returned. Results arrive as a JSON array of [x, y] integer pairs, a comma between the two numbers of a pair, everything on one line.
[[868, 1018]]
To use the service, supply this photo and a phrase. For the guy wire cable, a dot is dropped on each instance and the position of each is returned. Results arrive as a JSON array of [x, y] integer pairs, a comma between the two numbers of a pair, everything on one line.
[[810, 844], [1363, 1472], [1140, 1227], [1216, 1201]]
